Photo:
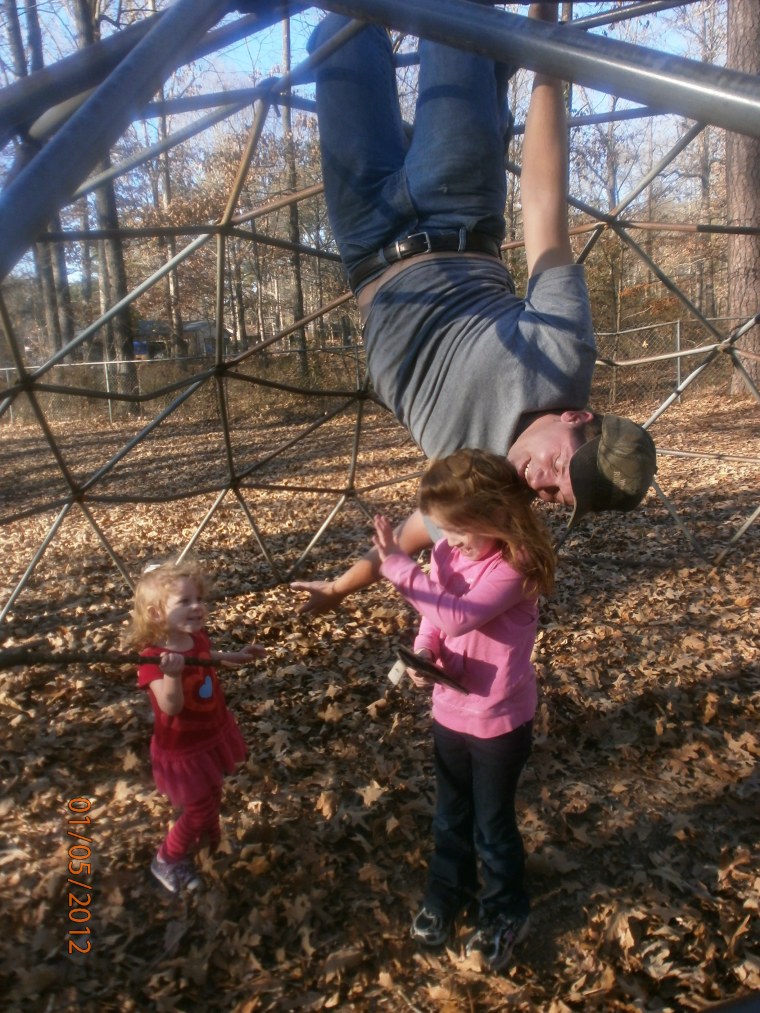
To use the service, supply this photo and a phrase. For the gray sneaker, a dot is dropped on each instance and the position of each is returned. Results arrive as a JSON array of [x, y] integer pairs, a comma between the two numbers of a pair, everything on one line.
[[496, 938], [175, 876]]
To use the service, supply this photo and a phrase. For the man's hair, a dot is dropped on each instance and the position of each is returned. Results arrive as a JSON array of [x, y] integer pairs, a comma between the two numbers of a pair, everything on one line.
[[479, 492], [591, 429]]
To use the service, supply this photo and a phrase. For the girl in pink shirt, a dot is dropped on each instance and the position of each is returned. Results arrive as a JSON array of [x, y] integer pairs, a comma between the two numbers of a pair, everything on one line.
[[196, 740], [479, 618]]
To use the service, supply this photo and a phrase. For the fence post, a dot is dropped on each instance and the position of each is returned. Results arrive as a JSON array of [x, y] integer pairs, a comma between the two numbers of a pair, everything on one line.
[[108, 391], [7, 384], [678, 356]]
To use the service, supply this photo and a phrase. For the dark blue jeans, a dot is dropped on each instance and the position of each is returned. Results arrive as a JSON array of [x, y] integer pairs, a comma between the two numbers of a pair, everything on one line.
[[476, 781], [379, 185]]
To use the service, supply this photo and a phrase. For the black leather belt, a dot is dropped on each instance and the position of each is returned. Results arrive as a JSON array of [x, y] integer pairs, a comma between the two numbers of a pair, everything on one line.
[[422, 242]]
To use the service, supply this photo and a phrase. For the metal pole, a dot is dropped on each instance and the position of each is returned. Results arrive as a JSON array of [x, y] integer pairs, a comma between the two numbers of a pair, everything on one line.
[[667, 83], [46, 184], [678, 355], [108, 391], [25, 100]]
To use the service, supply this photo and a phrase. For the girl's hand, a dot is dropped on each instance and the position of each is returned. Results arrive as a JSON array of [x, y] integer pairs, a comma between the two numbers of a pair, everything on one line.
[[171, 663], [420, 680], [384, 539], [231, 659]]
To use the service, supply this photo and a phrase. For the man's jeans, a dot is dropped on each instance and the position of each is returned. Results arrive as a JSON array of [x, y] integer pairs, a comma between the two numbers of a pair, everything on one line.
[[476, 782], [379, 186]]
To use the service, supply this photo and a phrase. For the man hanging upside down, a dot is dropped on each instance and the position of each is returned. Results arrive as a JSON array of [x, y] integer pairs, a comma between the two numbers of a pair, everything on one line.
[[459, 357]]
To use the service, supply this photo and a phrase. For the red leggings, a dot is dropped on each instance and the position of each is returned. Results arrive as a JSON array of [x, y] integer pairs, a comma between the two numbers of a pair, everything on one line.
[[197, 820]]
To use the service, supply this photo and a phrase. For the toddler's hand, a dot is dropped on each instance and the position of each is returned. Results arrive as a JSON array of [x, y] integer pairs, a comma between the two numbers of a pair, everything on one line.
[[253, 651], [171, 663], [231, 659]]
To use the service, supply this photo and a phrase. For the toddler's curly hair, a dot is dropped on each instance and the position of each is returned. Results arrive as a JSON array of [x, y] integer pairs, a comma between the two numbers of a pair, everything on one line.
[[153, 588]]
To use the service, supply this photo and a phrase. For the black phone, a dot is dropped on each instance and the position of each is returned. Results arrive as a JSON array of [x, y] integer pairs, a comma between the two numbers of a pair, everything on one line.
[[412, 660]]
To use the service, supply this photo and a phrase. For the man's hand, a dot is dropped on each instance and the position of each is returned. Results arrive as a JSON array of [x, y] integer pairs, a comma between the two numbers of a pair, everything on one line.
[[326, 595], [544, 11], [322, 596]]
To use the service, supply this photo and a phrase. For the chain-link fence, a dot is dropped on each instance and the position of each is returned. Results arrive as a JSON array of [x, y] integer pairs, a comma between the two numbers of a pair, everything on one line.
[[645, 365], [294, 382], [641, 366]]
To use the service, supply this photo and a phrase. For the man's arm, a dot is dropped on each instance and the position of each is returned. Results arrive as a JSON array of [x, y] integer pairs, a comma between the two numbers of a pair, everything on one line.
[[325, 595], [543, 182]]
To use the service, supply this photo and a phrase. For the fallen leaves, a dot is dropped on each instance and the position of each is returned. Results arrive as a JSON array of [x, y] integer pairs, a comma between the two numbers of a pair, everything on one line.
[[639, 807]]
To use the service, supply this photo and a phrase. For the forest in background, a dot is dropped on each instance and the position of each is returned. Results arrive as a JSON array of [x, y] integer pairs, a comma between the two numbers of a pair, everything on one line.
[[640, 805], [281, 267]]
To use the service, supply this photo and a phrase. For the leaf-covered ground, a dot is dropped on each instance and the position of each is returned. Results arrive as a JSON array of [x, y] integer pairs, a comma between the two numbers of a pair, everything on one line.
[[639, 807]]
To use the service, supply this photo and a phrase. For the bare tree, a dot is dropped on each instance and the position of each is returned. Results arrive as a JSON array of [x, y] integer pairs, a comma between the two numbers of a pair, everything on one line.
[[50, 262], [298, 339], [113, 272], [743, 183]]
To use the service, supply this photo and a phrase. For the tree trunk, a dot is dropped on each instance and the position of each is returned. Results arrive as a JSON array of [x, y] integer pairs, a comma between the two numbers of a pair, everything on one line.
[[62, 287], [238, 298], [112, 266], [50, 266], [43, 266], [84, 224], [298, 338], [743, 184]]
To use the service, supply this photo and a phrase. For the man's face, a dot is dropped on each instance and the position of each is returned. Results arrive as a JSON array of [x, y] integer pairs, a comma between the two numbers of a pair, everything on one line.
[[541, 454]]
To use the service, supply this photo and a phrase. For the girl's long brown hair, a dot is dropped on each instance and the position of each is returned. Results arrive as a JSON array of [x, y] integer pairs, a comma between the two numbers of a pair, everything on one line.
[[479, 492]]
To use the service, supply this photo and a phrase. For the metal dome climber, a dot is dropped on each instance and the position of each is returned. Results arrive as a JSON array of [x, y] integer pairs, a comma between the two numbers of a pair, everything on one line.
[[68, 130]]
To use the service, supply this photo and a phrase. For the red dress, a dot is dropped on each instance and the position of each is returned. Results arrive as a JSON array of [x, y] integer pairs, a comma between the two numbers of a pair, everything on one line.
[[193, 750]]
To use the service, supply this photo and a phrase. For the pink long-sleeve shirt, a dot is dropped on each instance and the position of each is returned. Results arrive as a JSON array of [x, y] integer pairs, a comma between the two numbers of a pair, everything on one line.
[[479, 623]]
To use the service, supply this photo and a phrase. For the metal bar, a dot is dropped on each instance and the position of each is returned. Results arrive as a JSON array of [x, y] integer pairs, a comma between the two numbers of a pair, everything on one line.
[[210, 100], [145, 154], [52, 531], [27, 99], [637, 9], [45, 184], [694, 541], [316, 537], [710, 94], [620, 231], [61, 354], [653, 173], [209, 514], [721, 556], [110, 551], [258, 536]]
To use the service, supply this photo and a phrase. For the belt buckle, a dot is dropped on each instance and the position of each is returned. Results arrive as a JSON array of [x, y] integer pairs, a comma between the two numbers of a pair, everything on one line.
[[413, 238], [426, 237]]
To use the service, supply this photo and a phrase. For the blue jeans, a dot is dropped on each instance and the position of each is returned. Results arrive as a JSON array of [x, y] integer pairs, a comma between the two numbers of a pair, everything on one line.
[[379, 185], [476, 782]]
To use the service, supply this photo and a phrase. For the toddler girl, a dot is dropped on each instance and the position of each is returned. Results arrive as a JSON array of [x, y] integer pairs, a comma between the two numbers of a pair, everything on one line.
[[195, 738], [479, 619]]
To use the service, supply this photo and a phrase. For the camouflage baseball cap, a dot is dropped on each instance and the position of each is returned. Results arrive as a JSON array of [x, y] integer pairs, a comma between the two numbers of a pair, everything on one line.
[[612, 471]]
